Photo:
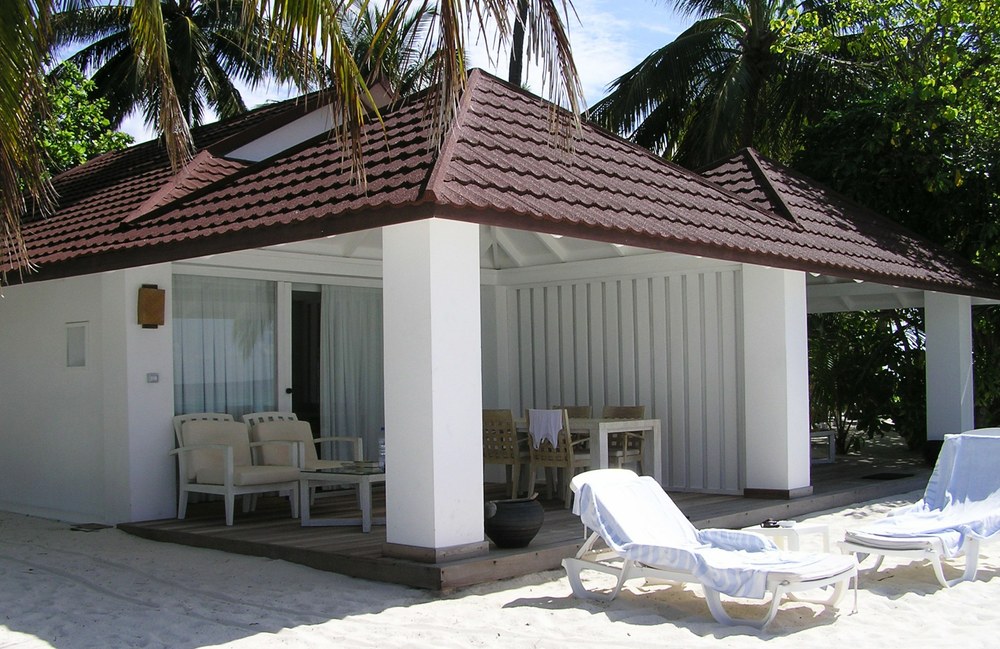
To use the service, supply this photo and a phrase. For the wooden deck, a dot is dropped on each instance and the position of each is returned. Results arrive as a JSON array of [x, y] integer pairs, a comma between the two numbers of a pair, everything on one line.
[[271, 532]]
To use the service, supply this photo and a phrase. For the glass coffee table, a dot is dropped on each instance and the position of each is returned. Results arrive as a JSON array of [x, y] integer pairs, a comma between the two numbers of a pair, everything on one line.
[[362, 477]]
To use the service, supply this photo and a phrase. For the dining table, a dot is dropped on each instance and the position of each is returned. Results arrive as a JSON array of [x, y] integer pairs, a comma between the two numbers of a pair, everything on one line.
[[598, 429]]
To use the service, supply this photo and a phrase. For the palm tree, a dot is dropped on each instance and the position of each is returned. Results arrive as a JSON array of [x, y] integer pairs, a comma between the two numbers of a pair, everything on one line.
[[516, 66], [300, 31], [732, 79], [207, 44], [398, 60], [24, 28]]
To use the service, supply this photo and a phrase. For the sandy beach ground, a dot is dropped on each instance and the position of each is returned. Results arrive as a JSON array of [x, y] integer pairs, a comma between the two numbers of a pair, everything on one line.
[[66, 588]]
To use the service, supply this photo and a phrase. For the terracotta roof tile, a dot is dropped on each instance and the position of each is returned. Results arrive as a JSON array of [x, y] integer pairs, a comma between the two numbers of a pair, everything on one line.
[[93, 198], [843, 235], [499, 166]]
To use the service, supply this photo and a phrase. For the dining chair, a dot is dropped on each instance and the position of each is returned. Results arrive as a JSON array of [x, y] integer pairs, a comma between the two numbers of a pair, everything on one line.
[[625, 448], [502, 446], [577, 412], [563, 454]]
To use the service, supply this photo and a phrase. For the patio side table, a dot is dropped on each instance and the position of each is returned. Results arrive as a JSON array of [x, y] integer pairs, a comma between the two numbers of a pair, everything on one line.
[[790, 535], [362, 477]]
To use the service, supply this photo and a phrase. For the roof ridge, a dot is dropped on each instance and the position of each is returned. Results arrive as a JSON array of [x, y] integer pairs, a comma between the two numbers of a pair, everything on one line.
[[757, 171], [174, 182], [431, 189]]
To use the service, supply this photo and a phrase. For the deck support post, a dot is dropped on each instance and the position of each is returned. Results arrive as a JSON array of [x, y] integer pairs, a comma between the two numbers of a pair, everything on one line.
[[433, 390], [776, 397], [948, 326]]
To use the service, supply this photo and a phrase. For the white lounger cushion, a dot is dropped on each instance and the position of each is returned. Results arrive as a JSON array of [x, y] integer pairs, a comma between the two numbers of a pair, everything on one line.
[[640, 522], [962, 501]]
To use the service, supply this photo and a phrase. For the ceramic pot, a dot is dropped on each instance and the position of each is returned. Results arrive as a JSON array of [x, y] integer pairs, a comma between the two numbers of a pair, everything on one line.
[[513, 523]]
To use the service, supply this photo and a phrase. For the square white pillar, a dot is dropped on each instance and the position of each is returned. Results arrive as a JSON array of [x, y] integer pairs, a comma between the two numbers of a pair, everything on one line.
[[433, 390], [948, 326], [776, 393]]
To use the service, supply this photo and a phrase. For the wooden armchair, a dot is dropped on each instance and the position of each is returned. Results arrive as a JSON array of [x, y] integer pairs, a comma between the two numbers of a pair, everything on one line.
[[215, 458], [501, 445], [286, 425]]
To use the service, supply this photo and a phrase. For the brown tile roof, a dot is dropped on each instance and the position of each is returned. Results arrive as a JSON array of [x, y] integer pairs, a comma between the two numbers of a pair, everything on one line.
[[497, 166], [848, 239], [93, 199]]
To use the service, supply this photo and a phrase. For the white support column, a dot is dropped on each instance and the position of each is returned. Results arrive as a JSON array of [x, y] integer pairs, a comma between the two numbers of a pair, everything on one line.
[[948, 325], [776, 371], [433, 390]]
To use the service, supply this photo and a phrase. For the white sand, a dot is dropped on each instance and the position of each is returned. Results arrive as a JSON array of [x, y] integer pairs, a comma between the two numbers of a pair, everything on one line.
[[68, 589]]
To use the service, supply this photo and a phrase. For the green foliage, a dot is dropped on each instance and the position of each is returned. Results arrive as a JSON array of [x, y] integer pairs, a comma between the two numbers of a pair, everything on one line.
[[866, 370], [986, 360], [203, 46], [396, 58], [739, 76], [922, 146], [77, 127]]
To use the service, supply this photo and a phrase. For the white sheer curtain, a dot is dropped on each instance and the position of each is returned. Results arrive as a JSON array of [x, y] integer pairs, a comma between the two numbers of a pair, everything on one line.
[[224, 345], [351, 386]]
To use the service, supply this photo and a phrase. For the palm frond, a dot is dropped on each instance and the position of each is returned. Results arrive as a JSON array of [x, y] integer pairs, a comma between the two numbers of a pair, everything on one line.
[[24, 29], [153, 64]]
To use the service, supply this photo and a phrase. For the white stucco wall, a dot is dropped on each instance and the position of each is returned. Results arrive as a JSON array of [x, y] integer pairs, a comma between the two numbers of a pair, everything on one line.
[[85, 444]]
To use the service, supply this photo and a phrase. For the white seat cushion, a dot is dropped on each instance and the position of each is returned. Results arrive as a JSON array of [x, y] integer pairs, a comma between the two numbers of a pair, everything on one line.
[[228, 433], [245, 476], [285, 430]]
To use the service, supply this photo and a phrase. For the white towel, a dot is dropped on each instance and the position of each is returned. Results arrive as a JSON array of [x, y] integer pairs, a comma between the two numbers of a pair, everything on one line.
[[639, 521], [545, 424], [962, 500]]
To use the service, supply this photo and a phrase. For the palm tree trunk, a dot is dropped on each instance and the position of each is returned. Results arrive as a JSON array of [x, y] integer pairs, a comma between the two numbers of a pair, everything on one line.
[[517, 44]]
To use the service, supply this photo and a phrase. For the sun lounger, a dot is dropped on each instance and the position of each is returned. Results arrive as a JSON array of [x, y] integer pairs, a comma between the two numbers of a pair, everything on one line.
[[641, 533], [960, 510]]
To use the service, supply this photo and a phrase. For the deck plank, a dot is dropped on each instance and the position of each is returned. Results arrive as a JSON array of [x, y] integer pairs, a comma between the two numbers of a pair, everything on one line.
[[271, 532]]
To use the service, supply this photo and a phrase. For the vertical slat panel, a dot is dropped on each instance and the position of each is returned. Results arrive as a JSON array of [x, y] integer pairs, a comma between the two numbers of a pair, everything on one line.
[[626, 336], [538, 356], [598, 362], [612, 357], [667, 342], [678, 382], [663, 404], [552, 359], [714, 464], [695, 354], [730, 380], [567, 347], [642, 349], [526, 359], [581, 344]]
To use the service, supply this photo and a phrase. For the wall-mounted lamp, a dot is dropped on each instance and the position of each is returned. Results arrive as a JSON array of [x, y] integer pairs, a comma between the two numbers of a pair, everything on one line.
[[151, 306]]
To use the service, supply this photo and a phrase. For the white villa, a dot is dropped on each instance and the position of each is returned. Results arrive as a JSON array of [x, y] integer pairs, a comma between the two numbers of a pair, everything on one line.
[[499, 271]]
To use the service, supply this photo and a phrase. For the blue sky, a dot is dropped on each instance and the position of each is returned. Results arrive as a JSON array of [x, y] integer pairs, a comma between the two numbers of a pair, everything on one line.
[[610, 38]]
